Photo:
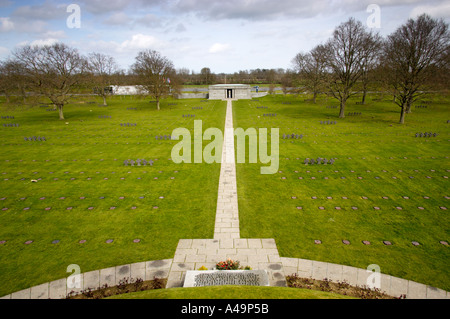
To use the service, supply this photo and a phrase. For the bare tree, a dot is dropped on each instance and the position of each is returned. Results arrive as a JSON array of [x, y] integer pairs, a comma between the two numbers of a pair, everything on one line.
[[345, 56], [411, 54], [311, 69], [102, 67], [54, 71], [13, 79], [207, 77], [370, 60], [154, 72], [6, 86], [287, 81]]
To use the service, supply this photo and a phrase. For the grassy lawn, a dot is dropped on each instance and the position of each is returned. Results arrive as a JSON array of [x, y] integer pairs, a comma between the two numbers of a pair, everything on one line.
[[375, 158], [80, 165], [231, 292]]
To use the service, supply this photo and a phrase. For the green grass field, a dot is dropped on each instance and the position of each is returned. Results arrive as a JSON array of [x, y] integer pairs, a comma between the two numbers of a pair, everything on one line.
[[375, 158], [231, 292], [84, 159]]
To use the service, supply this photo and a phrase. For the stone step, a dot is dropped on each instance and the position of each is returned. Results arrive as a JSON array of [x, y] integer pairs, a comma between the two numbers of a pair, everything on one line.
[[258, 253]]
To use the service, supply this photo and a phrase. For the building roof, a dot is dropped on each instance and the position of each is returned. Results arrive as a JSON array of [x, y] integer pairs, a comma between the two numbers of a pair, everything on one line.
[[230, 86]]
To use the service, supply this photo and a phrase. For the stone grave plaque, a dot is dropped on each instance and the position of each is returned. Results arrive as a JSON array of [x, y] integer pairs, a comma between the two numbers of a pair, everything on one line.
[[203, 278]]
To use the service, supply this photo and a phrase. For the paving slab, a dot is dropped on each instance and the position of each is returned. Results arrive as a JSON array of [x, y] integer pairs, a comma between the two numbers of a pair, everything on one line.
[[40, 291], [22, 294], [108, 276], [91, 280], [416, 290], [58, 289], [436, 293]]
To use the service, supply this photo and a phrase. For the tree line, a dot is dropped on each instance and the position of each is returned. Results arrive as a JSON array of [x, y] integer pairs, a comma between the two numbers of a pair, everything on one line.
[[411, 61], [408, 63]]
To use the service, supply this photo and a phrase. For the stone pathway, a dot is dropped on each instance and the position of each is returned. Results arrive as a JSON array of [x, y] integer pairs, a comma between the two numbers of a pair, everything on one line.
[[227, 214], [259, 253]]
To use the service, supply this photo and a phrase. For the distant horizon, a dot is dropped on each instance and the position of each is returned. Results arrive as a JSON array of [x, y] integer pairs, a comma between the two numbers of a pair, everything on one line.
[[226, 37]]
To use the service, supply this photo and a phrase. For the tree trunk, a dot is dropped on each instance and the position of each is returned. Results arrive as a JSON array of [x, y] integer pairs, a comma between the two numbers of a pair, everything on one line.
[[314, 97], [363, 101], [60, 110], [402, 115], [342, 109], [408, 105], [104, 101], [157, 104]]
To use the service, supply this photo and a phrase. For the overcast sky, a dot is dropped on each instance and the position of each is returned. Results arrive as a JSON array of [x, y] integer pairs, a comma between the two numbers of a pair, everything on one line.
[[224, 35]]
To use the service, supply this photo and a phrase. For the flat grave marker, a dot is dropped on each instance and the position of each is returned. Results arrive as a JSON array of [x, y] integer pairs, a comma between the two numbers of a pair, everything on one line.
[[204, 278]]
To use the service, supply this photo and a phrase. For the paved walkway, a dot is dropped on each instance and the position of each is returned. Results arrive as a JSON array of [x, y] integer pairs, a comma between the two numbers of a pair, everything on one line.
[[258, 253]]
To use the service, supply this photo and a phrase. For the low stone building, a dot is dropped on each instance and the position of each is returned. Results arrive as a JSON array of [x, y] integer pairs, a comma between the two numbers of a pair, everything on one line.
[[229, 91]]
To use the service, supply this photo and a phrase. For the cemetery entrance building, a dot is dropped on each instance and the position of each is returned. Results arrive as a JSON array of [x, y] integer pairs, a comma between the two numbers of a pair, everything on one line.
[[229, 91]]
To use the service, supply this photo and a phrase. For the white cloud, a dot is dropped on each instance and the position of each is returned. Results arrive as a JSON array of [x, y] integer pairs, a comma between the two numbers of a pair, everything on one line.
[[219, 47], [180, 27], [45, 11], [150, 20], [4, 52], [42, 42], [6, 24], [60, 34], [441, 10], [118, 19], [141, 41]]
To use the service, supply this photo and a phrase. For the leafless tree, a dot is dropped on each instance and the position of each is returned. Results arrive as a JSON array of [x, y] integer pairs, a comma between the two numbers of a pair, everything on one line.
[[13, 79], [345, 56], [54, 71], [6, 86], [102, 67], [154, 72], [411, 54], [311, 69], [370, 60], [207, 77]]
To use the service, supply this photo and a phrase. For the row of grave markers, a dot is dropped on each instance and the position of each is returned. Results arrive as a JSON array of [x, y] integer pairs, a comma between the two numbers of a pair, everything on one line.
[[319, 160], [138, 162], [316, 241], [292, 136], [328, 122], [35, 138], [426, 134]]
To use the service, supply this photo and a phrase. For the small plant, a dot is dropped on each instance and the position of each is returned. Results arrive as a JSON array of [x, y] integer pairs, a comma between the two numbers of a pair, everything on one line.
[[158, 283], [138, 284], [88, 292], [227, 265], [123, 283], [248, 268], [203, 268]]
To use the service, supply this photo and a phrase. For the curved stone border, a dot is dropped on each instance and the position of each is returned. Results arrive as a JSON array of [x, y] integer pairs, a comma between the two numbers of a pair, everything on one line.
[[390, 285], [95, 279], [318, 270]]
